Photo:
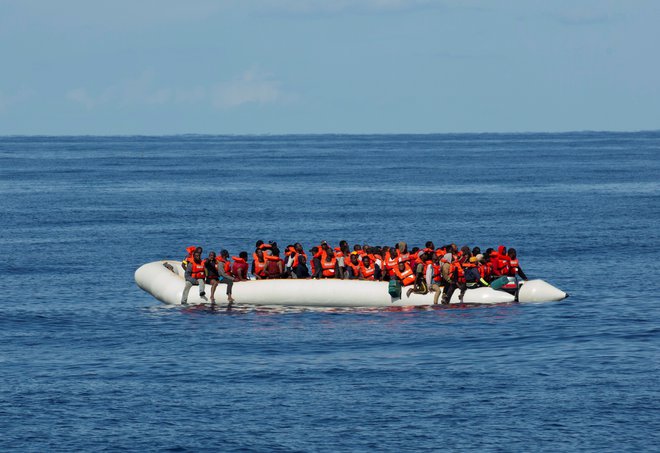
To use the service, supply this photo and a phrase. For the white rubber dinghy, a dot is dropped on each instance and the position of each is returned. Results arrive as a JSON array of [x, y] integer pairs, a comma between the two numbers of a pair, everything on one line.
[[167, 286]]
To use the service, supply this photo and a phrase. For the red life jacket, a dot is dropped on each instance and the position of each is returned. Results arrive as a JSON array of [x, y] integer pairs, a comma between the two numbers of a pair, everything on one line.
[[329, 267], [367, 272], [273, 268], [512, 269], [198, 270], [407, 277], [238, 264]]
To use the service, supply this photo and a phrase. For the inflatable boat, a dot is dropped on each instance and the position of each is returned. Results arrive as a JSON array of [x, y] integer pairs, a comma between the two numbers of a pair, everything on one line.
[[164, 280]]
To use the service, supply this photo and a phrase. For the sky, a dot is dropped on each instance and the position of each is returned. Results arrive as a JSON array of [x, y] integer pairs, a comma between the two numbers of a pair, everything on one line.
[[87, 67]]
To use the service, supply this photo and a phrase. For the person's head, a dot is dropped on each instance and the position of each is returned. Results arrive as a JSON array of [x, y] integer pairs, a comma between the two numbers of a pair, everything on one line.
[[512, 253], [200, 250], [325, 246], [453, 247], [224, 253], [476, 251], [355, 258], [489, 253], [402, 266], [260, 254], [357, 247], [473, 259], [429, 245], [259, 244], [480, 258], [425, 256], [385, 249], [343, 245], [414, 250], [465, 251], [394, 252], [275, 251], [314, 250], [403, 247], [329, 254], [243, 255], [367, 261], [211, 256], [501, 250], [197, 255], [298, 247]]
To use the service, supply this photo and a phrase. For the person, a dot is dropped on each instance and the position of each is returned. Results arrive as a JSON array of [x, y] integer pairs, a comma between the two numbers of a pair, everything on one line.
[[299, 268], [500, 261], [224, 261], [329, 266], [189, 257], [449, 279], [404, 273], [421, 284], [239, 267], [225, 279], [472, 276], [352, 266], [274, 264], [514, 266], [367, 269], [212, 276], [316, 262], [259, 264], [195, 275]]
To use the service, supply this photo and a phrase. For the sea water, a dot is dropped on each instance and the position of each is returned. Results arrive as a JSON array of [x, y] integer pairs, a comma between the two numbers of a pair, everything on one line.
[[91, 363]]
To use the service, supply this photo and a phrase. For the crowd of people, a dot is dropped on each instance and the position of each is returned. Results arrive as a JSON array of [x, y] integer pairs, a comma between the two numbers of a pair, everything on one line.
[[442, 270]]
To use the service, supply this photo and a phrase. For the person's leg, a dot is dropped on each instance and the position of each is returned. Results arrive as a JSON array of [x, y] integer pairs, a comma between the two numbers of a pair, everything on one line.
[[438, 292], [200, 282], [186, 290], [317, 268], [214, 285], [463, 288]]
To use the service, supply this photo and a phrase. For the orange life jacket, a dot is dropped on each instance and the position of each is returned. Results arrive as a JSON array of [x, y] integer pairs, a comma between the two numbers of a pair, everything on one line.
[[226, 265], [355, 268], [259, 267], [456, 271], [368, 272], [407, 277], [198, 270], [437, 272], [329, 267], [296, 259]]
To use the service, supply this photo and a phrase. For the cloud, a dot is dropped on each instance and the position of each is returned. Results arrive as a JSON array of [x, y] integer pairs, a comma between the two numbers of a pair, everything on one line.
[[251, 87]]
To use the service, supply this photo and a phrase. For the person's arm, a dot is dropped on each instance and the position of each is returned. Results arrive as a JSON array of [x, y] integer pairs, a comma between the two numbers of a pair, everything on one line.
[[521, 273], [222, 273], [189, 273]]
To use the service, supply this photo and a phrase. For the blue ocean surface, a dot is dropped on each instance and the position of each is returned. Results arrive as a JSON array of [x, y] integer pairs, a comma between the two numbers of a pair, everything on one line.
[[89, 362]]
